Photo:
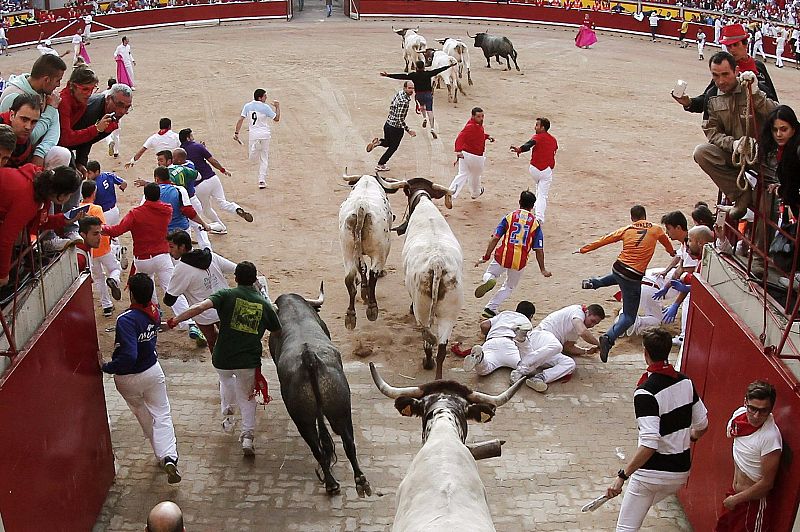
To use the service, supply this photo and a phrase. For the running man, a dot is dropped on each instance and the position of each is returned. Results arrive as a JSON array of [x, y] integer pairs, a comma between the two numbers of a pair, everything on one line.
[[470, 146], [258, 114], [543, 148], [163, 139], [394, 127], [106, 197]]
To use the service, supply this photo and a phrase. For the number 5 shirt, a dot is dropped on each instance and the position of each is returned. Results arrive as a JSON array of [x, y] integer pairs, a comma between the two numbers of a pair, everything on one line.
[[258, 116], [638, 245], [519, 232]]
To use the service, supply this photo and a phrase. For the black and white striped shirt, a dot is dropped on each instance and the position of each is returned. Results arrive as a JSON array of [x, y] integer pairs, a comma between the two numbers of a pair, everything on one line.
[[666, 410]]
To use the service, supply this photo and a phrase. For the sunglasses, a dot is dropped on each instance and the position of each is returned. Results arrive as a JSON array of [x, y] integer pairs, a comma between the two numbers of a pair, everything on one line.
[[755, 410]]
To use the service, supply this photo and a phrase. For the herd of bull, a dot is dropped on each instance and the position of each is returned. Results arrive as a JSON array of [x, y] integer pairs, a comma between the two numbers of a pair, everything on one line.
[[442, 489]]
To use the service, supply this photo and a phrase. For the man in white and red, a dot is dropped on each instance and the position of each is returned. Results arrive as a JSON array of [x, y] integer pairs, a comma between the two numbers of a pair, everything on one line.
[[757, 447], [163, 139], [543, 148], [470, 145]]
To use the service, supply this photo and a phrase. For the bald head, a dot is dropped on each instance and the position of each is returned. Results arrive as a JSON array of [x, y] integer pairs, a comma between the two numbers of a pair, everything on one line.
[[179, 156], [699, 236], [165, 517]]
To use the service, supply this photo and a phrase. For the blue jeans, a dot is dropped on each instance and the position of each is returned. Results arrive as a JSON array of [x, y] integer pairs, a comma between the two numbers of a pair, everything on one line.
[[631, 294]]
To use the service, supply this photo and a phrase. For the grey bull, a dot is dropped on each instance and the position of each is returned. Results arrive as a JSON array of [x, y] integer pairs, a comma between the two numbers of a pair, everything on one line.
[[497, 46]]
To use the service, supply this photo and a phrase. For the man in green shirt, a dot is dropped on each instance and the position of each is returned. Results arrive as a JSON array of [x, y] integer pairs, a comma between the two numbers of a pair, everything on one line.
[[244, 316]]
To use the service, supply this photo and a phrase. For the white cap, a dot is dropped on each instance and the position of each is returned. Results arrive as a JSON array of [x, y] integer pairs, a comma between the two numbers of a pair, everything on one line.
[[48, 42]]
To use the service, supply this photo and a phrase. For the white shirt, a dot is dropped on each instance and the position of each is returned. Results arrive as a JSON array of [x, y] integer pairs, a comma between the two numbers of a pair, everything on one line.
[[124, 51], [701, 37], [759, 37], [560, 323], [197, 284], [77, 39], [653, 20], [686, 260], [44, 50], [748, 450], [258, 116], [504, 323], [167, 141], [2, 32]]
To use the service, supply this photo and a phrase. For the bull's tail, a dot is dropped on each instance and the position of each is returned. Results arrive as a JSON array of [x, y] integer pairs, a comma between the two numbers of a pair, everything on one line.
[[436, 279], [358, 229], [311, 365]]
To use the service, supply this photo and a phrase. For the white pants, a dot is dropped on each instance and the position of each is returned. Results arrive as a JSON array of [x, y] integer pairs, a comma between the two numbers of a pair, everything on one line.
[[146, 395], [259, 151], [470, 169], [700, 46], [114, 138], [638, 499], [209, 189], [160, 268], [512, 280], [202, 236], [235, 388], [685, 314], [498, 353], [542, 350], [103, 268], [57, 156], [112, 217], [543, 179], [758, 47], [779, 48]]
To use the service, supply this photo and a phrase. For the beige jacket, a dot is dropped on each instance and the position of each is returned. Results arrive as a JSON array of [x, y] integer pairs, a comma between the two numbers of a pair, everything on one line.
[[727, 116]]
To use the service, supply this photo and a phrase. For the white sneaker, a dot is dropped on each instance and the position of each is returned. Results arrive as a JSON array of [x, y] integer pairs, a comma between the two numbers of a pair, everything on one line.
[[677, 341], [247, 444], [537, 383], [228, 421], [262, 184], [514, 377], [474, 358]]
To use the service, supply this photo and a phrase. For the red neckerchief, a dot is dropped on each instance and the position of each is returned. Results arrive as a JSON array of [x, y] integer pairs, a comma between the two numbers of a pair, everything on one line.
[[163, 131], [741, 427], [150, 309], [664, 368], [747, 64], [583, 308]]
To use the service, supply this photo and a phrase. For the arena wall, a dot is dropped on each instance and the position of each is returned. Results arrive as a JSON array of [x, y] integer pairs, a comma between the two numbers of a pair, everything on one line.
[[57, 463]]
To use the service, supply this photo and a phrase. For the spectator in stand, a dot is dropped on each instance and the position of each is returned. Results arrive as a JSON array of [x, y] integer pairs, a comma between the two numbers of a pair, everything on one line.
[[44, 79], [106, 198], [702, 215], [163, 139], [105, 267], [8, 144], [116, 101], [26, 195], [165, 517], [138, 376], [22, 117], [74, 100]]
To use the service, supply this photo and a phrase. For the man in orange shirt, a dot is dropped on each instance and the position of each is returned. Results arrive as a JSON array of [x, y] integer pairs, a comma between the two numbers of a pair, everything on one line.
[[638, 245], [104, 265]]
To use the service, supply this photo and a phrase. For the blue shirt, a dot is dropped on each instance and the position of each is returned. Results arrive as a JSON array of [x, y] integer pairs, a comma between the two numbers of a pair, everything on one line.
[[106, 190], [135, 343], [198, 154], [172, 196]]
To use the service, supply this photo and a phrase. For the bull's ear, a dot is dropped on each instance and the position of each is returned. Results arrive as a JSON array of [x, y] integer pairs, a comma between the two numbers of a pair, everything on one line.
[[408, 406], [480, 412]]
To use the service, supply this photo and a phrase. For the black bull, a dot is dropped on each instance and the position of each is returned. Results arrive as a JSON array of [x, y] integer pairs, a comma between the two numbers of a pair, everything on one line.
[[495, 45], [314, 386]]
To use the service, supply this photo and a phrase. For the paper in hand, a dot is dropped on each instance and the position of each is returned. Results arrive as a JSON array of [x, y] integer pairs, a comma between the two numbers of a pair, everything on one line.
[[595, 504]]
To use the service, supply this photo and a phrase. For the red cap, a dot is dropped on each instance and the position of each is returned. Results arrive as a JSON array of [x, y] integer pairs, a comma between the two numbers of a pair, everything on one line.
[[733, 33]]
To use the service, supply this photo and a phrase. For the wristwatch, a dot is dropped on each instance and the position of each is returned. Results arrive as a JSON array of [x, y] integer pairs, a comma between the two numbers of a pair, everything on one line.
[[621, 474]]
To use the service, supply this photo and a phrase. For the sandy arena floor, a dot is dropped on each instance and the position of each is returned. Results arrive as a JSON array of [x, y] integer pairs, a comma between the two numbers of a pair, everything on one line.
[[623, 141]]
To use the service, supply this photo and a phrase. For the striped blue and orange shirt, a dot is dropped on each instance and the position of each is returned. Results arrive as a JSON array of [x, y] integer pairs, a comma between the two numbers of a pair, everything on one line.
[[519, 232]]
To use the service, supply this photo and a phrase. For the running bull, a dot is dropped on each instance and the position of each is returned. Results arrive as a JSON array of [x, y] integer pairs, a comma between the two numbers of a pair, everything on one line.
[[497, 46]]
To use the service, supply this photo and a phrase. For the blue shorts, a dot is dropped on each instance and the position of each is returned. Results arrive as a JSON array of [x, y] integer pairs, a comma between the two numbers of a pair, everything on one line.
[[3, 43], [425, 100]]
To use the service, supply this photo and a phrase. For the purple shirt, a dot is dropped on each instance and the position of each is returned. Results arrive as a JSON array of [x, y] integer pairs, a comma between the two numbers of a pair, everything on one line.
[[198, 154], [106, 190]]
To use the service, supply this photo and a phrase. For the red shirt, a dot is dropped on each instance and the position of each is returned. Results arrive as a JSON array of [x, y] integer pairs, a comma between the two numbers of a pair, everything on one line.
[[148, 226], [19, 208], [472, 139], [543, 154], [23, 150]]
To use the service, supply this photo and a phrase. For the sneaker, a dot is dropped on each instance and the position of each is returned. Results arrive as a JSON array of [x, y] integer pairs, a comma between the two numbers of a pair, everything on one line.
[[514, 377], [262, 184], [108, 312], [485, 287], [537, 383], [197, 335], [111, 149], [605, 347], [434, 135], [228, 421], [488, 313], [381, 168], [677, 341], [244, 214], [479, 194], [424, 123], [247, 444], [371, 145], [123, 258], [171, 469], [586, 284], [218, 231], [474, 358], [113, 286]]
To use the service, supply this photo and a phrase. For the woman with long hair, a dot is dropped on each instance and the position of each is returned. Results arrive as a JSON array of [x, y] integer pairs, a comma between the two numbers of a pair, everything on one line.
[[780, 140]]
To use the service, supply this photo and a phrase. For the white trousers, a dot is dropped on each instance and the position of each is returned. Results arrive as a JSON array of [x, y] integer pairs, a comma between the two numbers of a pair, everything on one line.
[[542, 350], [113, 217], [259, 151], [103, 268], [638, 499], [543, 179], [470, 169], [685, 314], [758, 47], [780, 46], [235, 388], [511, 281], [114, 137], [160, 268], [146, 395], [498, 353], [209, 189], [202, 236], [700, 46]]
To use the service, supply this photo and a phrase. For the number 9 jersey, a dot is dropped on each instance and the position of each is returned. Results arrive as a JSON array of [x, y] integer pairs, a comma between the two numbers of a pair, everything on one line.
[[258, 115], [519, 232]]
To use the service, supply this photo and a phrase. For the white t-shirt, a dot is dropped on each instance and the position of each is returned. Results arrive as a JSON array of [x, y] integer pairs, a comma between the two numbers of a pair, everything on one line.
[[197, 284], [504, 323], [167, 141], [748, 450], [560, 323], [758, 38], [653, 20], [44, 50], [686, 260], [258, 116], [76, 39]]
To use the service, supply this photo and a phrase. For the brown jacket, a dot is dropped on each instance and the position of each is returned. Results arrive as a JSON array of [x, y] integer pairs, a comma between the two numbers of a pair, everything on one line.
[[727, 116]]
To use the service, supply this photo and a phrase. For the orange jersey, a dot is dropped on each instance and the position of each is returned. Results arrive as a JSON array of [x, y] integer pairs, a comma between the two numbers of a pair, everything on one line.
[[105, 242], [638, 243]]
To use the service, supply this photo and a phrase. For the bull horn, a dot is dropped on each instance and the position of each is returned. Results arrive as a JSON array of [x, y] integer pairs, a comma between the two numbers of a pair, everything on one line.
[[416, 29], [317, 303], [496, 400], [394, 30], [390, 391], [470, 36], [391, 185], [348, 178]]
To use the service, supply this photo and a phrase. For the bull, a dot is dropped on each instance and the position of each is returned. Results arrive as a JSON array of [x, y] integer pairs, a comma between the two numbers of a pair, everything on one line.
[[414, 45], [433, 266], [497, 46], [314, 386], [458, 50], [442, 489], [365, 218], [437, 59]]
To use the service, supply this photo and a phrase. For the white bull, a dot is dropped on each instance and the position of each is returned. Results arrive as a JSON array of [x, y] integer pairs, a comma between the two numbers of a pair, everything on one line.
[[442, 490], [414, 45], [365, 219], [438, 59], [433, 265], [457, 49]]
